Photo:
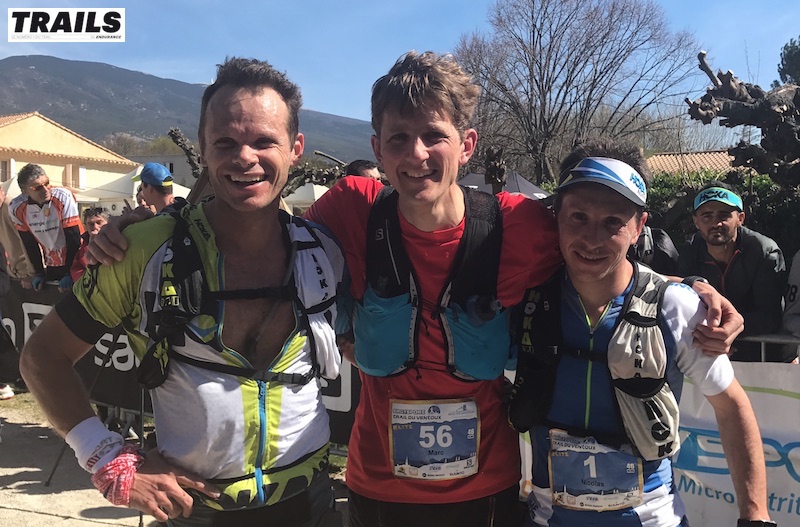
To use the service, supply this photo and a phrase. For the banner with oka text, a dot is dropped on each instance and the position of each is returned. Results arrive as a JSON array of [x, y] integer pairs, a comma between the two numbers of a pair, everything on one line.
[[701, 473]]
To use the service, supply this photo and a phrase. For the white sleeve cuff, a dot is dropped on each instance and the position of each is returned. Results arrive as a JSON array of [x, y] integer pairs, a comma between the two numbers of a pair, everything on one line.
[[94, 445]]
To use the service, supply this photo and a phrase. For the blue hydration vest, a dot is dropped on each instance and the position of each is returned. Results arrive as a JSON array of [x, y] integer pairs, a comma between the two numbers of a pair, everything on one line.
[[389, 316]]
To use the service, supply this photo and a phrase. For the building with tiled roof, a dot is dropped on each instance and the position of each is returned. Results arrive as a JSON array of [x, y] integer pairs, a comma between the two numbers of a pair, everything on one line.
[[687, 162], [69, 159]]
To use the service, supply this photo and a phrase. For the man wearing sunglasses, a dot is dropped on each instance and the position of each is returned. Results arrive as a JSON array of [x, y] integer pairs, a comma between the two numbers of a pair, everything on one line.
[[49, 225]]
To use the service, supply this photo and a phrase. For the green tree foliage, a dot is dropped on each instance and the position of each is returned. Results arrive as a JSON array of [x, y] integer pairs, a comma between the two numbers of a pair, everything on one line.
[[789, 66]]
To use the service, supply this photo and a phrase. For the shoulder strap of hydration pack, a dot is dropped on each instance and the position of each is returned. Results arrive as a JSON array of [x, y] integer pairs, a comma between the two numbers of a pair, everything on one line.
[[477, 261], [183, 289]]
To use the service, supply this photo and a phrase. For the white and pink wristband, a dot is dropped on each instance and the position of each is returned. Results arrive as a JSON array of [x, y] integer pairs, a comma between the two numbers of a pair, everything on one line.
[[104, 454]]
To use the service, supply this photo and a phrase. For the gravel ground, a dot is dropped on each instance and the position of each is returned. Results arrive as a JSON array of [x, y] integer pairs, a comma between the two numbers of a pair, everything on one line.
[[29, 449]]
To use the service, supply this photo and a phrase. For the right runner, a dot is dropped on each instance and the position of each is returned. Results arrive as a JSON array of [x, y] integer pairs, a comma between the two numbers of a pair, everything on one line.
[[604, 346]]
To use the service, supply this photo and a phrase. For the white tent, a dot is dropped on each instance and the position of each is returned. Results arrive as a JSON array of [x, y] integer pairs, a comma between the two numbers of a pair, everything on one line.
[[305, 196]]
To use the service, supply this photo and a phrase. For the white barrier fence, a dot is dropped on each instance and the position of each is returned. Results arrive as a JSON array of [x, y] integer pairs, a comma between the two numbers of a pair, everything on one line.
[[701, 474]]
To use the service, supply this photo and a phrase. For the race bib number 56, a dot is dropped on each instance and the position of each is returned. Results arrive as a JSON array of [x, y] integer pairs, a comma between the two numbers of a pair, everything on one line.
[[434, 440]]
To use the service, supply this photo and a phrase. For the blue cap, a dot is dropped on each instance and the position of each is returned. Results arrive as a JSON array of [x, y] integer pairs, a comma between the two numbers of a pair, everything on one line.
[[154, 174], [613, 173], [720, 194]]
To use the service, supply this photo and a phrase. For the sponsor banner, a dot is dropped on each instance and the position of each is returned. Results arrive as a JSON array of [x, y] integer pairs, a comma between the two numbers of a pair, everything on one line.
[[75, 24], [110, 366], [701, 473]]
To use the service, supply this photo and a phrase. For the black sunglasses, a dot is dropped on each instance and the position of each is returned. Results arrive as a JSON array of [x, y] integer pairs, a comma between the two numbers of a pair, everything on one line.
[[94, 211]]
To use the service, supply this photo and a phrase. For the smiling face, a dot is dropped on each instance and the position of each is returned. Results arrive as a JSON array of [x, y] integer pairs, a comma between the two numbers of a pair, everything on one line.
[[596, 227], [717, 222], [247, 147], [421, 153]]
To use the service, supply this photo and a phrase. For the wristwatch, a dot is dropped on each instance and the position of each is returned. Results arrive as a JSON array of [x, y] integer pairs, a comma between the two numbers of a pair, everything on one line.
[[690, 280], [756, 523]]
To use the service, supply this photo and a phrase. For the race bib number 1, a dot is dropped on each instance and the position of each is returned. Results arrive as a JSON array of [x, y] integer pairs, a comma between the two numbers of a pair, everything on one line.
[[434, 440], [587, 475]]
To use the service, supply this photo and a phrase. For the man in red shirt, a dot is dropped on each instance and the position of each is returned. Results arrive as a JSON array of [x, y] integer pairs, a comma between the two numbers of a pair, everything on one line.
[[431, 444]]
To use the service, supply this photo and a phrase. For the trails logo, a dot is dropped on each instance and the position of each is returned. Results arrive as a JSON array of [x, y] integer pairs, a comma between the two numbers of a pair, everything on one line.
[[66, 25]]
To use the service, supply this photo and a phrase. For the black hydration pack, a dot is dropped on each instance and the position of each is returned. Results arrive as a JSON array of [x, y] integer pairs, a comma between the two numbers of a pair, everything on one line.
[[184, 294]]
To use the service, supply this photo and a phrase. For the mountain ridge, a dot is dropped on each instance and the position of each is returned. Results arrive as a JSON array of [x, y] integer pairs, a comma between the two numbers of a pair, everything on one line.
[[96, 99]]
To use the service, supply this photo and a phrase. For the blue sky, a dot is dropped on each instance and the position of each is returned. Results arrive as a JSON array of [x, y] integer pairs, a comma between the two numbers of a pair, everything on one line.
[[336, 50]]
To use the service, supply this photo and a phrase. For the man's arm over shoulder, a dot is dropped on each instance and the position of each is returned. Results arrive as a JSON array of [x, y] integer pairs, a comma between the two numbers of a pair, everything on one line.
[[344, 211], [530, 252], [345, 206], [682, 312]]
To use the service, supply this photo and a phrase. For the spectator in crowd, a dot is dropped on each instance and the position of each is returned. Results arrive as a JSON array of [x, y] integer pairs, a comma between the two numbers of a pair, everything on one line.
[[654, 247], [48, 222], [156, 186], [94, 219], [363, 168], [229, 304], [19, 266], [791, 311], [745, 266], [140, 201], [608, 419]]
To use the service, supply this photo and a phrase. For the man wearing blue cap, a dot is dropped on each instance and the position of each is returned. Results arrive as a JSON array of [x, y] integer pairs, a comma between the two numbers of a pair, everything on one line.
[[745, 266], [156, 185], [603, 350]]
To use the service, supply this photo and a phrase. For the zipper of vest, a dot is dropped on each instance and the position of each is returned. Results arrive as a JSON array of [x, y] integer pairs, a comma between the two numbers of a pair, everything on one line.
[[262, 439], [590, 363]]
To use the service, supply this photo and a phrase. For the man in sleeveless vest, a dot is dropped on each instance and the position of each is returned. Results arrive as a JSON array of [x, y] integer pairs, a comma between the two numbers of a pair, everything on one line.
[[603, 350], [229, 305]]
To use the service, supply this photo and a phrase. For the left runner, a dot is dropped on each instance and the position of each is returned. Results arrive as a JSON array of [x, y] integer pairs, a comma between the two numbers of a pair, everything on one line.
[[229, 306]]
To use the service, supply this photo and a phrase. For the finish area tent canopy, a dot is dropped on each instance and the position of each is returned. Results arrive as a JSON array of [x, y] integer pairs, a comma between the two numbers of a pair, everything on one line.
[[514, 183]]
